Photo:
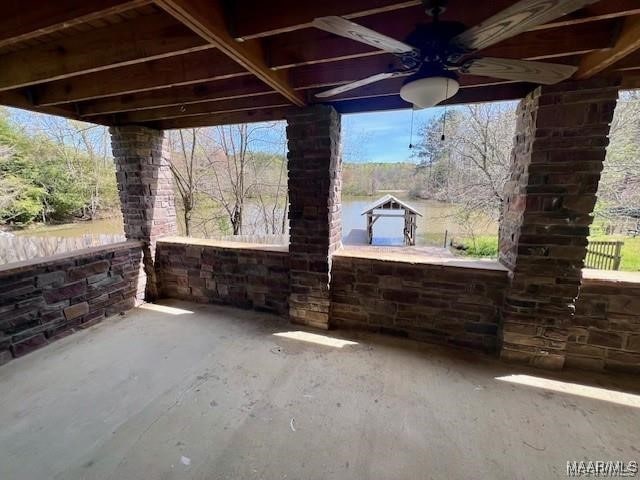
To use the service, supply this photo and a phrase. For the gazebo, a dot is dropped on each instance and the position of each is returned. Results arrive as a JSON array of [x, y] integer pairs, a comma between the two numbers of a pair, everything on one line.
[[380, 208]]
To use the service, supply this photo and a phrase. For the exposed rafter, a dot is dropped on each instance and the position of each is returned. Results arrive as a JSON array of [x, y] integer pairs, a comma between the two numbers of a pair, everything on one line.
[[271, 100], [628, 41], [337, 73], [598, 11], [176, 96], [262, 115], [20, 100], [314, 46], [255, 19], [206, 18], [26, 19], [107, 47], [197, 67], [173, 61]]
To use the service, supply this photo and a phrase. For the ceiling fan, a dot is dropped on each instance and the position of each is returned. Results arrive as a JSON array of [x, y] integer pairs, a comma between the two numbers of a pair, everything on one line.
[[436, 53]]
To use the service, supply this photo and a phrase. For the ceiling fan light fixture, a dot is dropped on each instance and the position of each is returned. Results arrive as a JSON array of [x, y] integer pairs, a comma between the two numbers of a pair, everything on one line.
[[430, 91]]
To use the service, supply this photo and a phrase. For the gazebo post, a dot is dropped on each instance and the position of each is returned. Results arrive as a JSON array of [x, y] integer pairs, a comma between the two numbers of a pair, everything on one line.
[[407, 233]]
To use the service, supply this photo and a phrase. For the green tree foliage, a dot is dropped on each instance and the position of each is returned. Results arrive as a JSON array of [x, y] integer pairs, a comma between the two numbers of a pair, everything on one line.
[[367, 179], [48, 179]]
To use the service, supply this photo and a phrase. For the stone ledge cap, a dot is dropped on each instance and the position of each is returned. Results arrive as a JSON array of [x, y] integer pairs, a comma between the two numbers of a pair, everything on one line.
[[18, 267]]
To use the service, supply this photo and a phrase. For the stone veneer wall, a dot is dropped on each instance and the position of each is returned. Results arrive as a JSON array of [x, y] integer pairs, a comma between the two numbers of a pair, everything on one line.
[[44, 299], [456, 302], [558, 154], [605, 331], [147, 200], [315, 231], [244, 275], [437, 303]]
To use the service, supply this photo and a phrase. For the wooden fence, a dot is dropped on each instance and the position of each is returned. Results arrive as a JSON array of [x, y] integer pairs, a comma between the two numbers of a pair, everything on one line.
[[604, 255]]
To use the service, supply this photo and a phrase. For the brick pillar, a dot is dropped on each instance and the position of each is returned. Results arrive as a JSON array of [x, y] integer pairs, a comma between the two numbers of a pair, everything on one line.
[[558, 154], [146, 194], [315, 164]]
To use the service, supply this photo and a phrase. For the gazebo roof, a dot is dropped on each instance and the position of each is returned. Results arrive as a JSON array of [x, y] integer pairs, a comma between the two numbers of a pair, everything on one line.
[[188, 63], [390, 200]]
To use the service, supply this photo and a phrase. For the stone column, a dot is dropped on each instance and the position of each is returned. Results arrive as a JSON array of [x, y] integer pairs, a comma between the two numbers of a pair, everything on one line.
[[146, 194], [315, 230], [558, 154]]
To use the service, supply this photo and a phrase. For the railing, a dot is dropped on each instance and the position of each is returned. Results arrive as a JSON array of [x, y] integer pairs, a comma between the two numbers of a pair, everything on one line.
[[14, 248], [604, 255]]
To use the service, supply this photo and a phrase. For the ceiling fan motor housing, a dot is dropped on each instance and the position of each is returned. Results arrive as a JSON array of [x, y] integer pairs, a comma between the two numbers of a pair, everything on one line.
[[434, 42]]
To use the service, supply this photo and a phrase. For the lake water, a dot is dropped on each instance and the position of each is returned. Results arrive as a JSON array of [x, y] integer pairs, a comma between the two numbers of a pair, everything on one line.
[[437, 218]]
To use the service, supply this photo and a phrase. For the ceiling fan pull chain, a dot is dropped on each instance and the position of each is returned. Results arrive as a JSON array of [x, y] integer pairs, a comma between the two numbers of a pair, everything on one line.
[[444, 120], [411, 131]]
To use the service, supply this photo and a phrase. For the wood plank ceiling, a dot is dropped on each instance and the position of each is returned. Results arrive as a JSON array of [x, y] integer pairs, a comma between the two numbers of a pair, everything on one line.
[[185, 63]]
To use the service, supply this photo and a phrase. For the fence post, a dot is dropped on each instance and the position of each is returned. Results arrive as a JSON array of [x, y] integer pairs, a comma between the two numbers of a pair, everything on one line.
[[618, 256]]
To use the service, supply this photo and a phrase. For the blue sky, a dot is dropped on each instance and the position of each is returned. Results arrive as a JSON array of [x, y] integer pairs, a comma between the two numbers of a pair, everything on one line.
[[382, 136], [366, 137]]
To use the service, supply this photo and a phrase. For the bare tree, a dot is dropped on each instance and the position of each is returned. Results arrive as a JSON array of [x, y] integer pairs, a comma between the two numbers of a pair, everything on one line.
[[239, 172], [469, 164], [184, 167]]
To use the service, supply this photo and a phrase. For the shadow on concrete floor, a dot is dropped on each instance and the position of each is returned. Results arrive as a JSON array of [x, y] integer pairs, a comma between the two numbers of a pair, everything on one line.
[[180, 390]]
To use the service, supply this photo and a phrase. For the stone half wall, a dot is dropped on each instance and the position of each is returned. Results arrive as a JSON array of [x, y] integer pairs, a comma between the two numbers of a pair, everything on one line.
[[605, 331], [448, 301], [456, 303], [45, 299], [232, 273]]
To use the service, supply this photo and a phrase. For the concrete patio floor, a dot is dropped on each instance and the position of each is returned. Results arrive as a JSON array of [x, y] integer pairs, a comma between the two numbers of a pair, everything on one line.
[[208, 392]]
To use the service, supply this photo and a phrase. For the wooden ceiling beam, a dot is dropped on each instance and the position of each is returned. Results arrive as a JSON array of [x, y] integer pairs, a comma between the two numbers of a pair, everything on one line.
[[248, 86], [630, 62], [393, 102], [345, 71], [270, 100], [631, 80], [628, 41], [143, 39], [249, 116], [197, 67], [513, 91], [316, 77], [26, 19], [206, 18], [18, 99], [255, 18], [597, 11], [308, 47]]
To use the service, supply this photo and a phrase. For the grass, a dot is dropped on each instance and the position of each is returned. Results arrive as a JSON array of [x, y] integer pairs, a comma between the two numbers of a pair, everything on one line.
[[487, 246], [630, 251], [481, 246]]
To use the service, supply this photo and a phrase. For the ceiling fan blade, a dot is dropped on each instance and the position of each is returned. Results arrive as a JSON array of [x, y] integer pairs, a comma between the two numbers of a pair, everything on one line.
[[345, 28], [361, 83], [516, 19], [519, 70]]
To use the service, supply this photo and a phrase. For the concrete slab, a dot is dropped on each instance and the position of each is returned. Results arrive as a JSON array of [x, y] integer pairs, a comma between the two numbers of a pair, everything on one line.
[[205, 392]]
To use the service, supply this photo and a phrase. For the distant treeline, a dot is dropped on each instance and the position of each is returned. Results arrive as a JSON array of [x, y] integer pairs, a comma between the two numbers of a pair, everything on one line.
[[366, 179]]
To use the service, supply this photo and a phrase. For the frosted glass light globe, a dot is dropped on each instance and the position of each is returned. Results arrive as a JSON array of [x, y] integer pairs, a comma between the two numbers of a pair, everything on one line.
[[427, 92]]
